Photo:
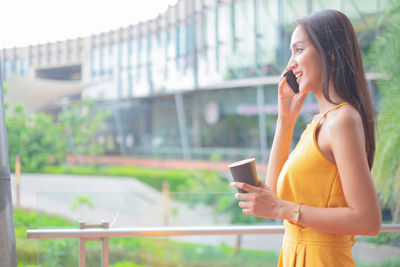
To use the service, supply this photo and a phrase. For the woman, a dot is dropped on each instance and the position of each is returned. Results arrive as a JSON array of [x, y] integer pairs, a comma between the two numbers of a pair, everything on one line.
[[323, 189]]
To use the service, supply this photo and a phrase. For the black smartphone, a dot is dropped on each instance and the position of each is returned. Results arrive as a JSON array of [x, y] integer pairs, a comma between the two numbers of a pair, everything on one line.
[[291, 80]]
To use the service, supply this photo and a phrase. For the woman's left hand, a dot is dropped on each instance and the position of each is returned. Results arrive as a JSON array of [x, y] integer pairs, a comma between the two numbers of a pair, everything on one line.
[[259, 201]]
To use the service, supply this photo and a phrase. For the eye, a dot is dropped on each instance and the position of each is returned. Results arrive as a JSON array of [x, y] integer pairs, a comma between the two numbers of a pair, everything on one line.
[[299, 49]]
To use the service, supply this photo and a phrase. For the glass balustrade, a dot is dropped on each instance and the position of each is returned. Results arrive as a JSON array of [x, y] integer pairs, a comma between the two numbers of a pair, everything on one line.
[[145, 208]]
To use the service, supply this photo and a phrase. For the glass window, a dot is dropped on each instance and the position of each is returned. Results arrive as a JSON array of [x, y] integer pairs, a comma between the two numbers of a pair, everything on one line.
[[210, 23], [333, 4], [165, 124], [182, 40], [7, 69], [94, 61], [223, 119], [199, 34], [123, 55], [267, 25], [22, 67], [244, 22], [124, 84], [141, 51], [130, 58], [112, 59], [158, 60], [225, 39], [101, 60], [208, 62], [142, 83], [107, 59], [171, 49]]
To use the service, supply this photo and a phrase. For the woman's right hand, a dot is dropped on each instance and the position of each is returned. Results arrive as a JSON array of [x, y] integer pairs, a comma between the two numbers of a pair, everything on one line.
[[289, 103]]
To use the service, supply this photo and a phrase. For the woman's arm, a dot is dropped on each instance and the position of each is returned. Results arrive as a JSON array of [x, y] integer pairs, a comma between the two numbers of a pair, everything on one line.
[[289, 106], [361, 217], [279, 151]]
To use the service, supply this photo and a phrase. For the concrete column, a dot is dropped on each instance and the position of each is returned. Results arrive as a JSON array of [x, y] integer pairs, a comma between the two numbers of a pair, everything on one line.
[[180, 112], [262, 123], [8, 255]]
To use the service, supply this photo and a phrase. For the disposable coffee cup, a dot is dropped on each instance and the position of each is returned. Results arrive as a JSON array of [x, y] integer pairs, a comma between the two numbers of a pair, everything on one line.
[[244, 171]]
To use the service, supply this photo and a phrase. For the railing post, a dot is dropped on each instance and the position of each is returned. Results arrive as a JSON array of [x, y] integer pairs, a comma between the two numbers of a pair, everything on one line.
[[82, 252], [104, 241], [82, 247], [105, 248], [165, 194]]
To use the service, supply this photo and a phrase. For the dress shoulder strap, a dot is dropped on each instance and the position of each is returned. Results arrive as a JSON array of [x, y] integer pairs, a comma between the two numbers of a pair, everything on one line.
[[329, 110]]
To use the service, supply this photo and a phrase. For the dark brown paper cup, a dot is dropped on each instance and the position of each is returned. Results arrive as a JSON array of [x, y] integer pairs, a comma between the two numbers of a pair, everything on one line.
[[244, 171]]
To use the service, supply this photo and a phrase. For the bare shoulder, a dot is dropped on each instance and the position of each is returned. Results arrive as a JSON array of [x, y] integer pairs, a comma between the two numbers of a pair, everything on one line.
[[345, 120], [346, 115]]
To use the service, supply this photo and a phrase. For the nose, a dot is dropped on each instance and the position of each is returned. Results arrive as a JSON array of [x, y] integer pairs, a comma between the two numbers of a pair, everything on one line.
[[292, 63]]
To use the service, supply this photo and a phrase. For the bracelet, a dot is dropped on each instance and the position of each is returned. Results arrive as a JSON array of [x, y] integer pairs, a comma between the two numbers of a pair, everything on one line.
[[296, 214]]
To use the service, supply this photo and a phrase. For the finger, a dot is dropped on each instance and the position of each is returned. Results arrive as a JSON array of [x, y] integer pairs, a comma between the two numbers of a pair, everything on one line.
[[247, 211], [285, 70], [262, 184], [241, 196], [244, 204], [282, 84], [244, 186]]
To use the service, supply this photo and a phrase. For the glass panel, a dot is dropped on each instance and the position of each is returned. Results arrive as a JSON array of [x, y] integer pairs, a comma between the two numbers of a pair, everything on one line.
[[158, 61], [141, 50], [123, 55], [268, 42], [218, 127], [95, 58], [102, 53], [7, 69], [225, 38], [124, 83], [207, 61], [128, 203], [146, 207], [245, 33]]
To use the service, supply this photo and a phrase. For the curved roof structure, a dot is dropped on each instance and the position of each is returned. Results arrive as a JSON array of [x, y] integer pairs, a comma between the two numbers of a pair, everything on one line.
[[37, 93]]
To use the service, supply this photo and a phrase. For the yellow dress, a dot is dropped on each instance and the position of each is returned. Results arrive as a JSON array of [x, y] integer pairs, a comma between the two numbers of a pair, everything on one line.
[[309, 178]]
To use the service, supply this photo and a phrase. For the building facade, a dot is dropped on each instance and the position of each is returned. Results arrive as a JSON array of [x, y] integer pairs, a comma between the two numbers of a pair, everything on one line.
[[197, 82]]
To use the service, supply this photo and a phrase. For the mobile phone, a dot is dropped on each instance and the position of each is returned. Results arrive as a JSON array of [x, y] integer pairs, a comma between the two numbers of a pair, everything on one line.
[[291, 80]]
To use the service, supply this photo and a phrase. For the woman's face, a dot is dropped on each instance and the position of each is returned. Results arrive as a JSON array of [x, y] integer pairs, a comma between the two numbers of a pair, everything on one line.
[[305, 62]]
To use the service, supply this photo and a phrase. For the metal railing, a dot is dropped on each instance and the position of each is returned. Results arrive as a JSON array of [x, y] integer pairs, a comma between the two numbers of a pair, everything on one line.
[[102, 233]]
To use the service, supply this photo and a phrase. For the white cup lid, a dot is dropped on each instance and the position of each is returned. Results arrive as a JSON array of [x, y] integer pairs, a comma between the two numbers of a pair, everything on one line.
[[241, 162]]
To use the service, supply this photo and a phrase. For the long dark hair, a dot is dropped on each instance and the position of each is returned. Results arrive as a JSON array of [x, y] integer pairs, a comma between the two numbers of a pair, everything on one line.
[[333, 35]]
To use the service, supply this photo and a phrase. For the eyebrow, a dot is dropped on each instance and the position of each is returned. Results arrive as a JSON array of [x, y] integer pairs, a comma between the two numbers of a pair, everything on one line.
[[293, 45]]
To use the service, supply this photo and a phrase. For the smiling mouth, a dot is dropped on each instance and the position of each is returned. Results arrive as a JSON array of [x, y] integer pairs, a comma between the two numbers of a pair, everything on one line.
[[298, 75]]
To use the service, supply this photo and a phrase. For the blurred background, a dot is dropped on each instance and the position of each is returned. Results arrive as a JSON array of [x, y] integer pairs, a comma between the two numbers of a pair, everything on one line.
[[167, 93]]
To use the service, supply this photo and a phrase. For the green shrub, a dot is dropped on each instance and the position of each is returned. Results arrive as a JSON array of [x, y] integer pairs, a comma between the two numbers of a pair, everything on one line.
[[385, 238], [34, 138], [126, 264], [385, 263]]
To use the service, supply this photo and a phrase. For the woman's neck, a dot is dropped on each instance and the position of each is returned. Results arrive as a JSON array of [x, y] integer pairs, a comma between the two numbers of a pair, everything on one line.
[[323, 103]]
